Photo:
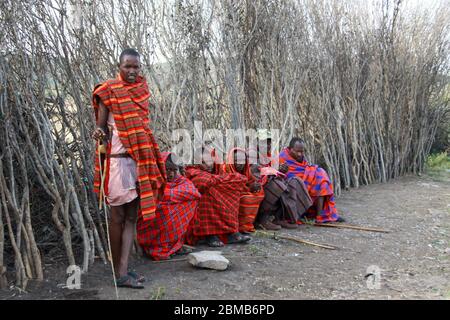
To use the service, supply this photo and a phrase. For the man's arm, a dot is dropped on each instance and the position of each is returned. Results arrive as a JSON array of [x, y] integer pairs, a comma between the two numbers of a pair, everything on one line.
[[283, 168], [101, 129]]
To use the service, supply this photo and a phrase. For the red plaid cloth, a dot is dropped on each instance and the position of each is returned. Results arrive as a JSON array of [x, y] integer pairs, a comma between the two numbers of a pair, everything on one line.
[[218, 209], [163, 236], [129, 104], [249, 201]]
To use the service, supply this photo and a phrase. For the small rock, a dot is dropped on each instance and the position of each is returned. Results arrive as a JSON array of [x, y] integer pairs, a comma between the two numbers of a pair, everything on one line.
[[209, 260], [447, 250]]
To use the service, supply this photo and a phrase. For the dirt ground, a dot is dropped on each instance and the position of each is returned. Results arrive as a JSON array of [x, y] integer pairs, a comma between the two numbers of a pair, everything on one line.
[[413, 259]]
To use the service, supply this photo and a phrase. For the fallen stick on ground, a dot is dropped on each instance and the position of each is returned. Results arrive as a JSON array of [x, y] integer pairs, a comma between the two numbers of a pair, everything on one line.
[[189, 247], [169, 260], [348, 226], [282, 236]]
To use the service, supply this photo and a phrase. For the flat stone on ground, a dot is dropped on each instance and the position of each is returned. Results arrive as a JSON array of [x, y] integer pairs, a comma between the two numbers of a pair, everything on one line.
[[209, 260]]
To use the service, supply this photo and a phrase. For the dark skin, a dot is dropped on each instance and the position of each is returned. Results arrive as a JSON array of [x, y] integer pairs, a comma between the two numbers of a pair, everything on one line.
[[121, 231], [283, 168], [298, 153], [129, 69], [122, 224], [182, 171], [255, 186], [256, 172], [172, 171], [239, 163]]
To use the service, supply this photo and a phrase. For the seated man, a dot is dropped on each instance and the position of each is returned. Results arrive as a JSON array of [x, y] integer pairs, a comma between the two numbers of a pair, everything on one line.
[[163, 236], [286, 198], [315, 179], [253, 194], [217, 217]]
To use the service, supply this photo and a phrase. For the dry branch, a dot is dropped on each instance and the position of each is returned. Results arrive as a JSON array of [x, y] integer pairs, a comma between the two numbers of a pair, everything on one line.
[[286, 237], [348, 226], [365, 90]]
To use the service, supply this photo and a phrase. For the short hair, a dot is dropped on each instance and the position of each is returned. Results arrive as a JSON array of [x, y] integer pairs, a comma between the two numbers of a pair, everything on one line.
[[129, 52], [294, 141]]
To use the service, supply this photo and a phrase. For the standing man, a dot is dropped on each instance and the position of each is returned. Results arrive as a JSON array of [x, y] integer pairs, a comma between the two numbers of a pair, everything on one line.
[[134, 172]]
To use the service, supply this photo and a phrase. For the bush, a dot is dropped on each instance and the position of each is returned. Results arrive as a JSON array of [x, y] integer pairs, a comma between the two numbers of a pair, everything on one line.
[[438, 161]]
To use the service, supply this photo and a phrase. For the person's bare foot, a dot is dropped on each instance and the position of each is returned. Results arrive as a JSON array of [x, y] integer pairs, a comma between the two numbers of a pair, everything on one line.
[[128, 281], [136, 276]]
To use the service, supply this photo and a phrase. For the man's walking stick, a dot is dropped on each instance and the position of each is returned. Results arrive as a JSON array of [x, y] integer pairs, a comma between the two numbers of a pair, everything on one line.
[[349, 226], [105, 209]]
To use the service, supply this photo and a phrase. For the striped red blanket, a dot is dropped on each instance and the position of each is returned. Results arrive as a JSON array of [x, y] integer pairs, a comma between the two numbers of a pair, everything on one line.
[[129, 103], [318, 184]]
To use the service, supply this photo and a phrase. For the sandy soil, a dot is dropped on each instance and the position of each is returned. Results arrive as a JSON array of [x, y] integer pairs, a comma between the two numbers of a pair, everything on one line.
[[413, 259]]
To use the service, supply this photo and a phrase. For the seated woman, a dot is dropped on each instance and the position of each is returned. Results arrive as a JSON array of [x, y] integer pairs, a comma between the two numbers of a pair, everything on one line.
[[163, 236], [217, 217], [316, 181], [252, 195]]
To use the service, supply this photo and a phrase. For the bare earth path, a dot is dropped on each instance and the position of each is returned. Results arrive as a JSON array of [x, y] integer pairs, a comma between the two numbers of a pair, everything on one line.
[[414, 258]]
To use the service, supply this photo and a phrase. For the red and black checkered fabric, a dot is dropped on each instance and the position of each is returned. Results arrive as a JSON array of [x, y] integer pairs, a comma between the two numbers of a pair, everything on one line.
[[218, 209], [250, 201], [163, 236]]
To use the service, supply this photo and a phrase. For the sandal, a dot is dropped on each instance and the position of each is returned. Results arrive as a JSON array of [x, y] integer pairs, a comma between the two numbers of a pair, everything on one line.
[[136, 276], [238, 238], [181, 252], [128, 282], [214, 241]]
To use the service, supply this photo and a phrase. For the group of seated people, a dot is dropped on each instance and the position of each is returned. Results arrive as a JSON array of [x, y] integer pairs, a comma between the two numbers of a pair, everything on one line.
[[217, 204]]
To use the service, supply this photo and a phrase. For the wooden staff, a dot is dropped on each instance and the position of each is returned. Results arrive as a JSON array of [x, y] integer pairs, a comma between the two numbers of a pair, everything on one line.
[[101, 149], [102, 195], [348, 226], [169, 260], [282, 236]]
